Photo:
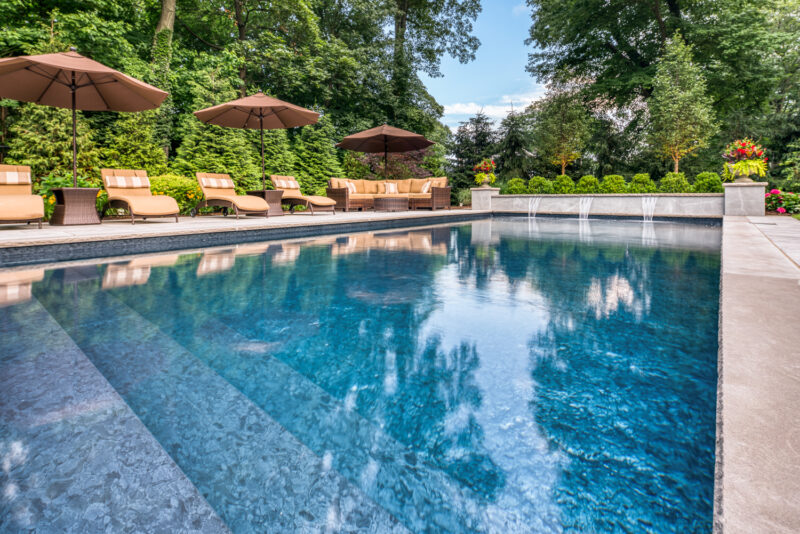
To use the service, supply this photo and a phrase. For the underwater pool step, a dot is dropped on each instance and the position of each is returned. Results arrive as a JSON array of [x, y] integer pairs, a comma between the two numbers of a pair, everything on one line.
[[250, 469], [78, 458]]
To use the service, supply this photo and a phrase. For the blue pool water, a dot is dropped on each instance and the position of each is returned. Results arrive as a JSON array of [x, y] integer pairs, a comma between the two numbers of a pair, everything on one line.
[[509, 375]]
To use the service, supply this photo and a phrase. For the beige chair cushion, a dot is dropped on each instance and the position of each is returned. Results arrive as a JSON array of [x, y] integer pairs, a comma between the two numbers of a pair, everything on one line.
[[20, 207], [284, 182], [215, 181], [125, 179], [244, 202], [15, 175], [320, 201], [360, 196], [361, 187], [336, 183], [148, 205], [419, 195], [404, 186]]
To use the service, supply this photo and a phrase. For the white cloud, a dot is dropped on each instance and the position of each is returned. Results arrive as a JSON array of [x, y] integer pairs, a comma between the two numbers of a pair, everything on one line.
[[497, 110], [519, 10]]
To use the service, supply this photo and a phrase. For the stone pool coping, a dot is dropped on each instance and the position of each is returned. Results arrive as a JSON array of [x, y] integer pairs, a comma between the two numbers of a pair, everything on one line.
[[758, 436]]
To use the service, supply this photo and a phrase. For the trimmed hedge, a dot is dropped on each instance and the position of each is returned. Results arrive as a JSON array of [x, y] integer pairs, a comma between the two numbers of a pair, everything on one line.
[[186, 191], [613, 184], [641, 183], [516, 186], [539, 185], [674, 182], [563, 185], [708, 182], [587, 185]]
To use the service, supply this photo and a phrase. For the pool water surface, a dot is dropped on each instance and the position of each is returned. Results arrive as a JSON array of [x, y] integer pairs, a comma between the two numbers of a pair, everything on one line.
[[507, 375]]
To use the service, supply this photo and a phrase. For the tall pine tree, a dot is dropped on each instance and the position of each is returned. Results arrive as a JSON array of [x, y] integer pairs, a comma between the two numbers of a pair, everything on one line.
[[681, 114], [134, 144]]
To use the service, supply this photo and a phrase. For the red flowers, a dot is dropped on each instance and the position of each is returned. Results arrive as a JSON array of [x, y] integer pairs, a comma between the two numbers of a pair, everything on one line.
[[743, 149]]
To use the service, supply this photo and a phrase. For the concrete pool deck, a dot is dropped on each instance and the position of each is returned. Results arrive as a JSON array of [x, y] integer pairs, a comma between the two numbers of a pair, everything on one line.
[[758, 438]]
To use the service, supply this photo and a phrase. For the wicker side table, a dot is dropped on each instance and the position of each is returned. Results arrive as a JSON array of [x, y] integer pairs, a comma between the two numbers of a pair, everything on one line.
[[273, 198], [390, 203], [75, 205]]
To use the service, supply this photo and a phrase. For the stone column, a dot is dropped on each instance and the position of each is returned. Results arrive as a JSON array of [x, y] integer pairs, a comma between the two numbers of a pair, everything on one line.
[[745, 198], [482, 197]]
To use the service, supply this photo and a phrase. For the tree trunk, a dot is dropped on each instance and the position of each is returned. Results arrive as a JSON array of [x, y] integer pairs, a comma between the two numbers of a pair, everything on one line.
[[241, 25], [676, 160], [162, 57], [400, 72], [563, 167]]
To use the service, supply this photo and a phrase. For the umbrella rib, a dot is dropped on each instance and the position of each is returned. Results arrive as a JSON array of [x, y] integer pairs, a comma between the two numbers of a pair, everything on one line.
[[98, 92], [51, 78]]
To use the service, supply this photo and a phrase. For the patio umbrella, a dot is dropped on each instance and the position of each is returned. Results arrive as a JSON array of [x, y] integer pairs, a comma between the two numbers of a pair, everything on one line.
[[69, 80], [257, 112], [384, 139]]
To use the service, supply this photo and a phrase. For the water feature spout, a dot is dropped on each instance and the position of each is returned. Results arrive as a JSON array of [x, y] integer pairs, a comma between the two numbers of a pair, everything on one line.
[[533, 206], [648, 208], [583, 207]]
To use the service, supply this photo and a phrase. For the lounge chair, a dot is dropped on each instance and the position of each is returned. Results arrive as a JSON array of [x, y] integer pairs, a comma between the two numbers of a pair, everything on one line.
[[130, 190], [293, 197], [218, 191], [17, 203]]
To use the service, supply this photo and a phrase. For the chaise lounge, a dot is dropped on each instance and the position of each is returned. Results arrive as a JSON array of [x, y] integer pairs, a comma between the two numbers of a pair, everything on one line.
[[17, 202], [218, 190], [293, 197], [433, 193], [130, 190]]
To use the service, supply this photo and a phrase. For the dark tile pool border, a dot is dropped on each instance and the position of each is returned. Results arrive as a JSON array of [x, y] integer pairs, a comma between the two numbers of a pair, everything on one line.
[[714, 221], [101, 248]]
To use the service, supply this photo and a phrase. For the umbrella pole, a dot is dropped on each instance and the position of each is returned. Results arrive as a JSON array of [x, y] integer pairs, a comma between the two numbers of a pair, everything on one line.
[[263, 174], [385, 156], [74, 135]]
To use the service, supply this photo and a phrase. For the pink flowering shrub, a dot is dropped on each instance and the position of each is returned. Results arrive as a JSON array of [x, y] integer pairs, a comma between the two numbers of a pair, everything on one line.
[[782, 202]]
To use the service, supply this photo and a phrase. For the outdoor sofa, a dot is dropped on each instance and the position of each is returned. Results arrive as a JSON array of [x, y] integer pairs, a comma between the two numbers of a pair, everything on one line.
[[433, 193], [130, 190], [17, 201]]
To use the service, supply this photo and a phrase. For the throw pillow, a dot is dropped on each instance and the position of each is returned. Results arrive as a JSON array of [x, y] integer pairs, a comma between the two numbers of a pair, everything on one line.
[[426, 187], [391, 188]]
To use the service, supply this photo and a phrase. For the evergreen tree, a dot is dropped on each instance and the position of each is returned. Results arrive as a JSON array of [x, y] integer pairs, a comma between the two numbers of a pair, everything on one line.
[[562, 126], [515, 143], [278, 155], [41, 137], [134, 145], [681, 115], [317, 161], [209, 148], [474, 140]]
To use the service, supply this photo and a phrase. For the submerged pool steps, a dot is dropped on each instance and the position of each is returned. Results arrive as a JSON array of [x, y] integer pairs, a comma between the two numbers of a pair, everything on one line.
[[195, 415], [79, 460], [358, 449]]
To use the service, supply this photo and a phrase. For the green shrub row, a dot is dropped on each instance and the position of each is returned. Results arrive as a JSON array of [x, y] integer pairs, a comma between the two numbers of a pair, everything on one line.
[[705, 182]]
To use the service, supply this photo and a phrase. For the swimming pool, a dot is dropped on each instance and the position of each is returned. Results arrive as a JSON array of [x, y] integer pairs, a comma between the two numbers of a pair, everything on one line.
[[506, 375]]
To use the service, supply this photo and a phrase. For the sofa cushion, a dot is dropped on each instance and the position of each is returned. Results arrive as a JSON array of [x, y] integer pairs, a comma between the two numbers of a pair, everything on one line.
[[416, 185], [335, 183], [404, 186], [370, 187], [360, 187], [441, 181], [391, 188], [360, 196]]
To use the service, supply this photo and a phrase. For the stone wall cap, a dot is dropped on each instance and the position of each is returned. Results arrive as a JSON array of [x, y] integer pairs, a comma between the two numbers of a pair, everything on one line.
[[746, 184]]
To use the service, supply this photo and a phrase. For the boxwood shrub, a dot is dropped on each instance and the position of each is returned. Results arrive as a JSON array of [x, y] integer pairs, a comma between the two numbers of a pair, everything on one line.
[[185, 190], [641, 183], [563, 185], [674, 182], [613, 184], [539, 185], [708, 182], [587, 185], [516, 186]]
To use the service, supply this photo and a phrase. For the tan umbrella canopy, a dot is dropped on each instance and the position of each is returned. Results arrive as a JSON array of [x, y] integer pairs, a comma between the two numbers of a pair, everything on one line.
[[69, 80], [257, 112], [384, 139]]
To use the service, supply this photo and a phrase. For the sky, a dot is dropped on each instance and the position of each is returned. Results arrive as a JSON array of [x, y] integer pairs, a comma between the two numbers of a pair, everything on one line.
[[496, 79]]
